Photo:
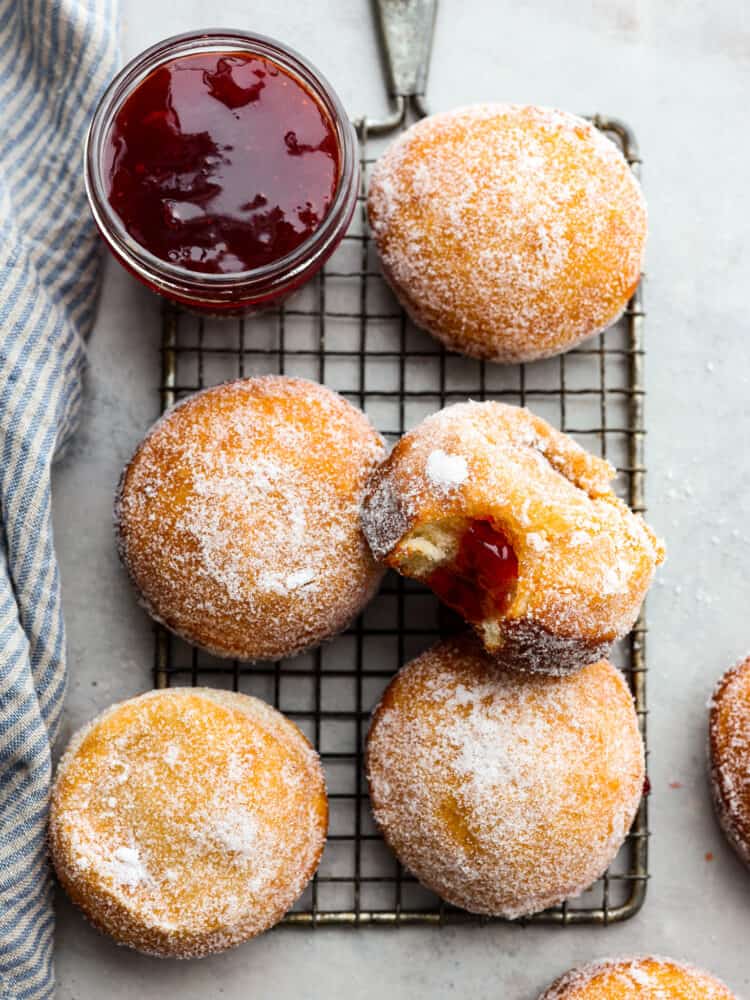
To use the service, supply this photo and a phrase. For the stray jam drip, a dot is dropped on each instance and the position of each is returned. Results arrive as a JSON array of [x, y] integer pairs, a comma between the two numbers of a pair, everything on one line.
[[480, 581], [221, 162]]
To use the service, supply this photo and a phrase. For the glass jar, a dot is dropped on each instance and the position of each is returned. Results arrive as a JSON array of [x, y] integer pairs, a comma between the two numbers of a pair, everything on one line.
[[234, 292]]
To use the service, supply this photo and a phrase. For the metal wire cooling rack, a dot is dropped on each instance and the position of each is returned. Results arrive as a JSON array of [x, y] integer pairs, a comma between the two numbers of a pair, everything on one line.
[[346, 330]]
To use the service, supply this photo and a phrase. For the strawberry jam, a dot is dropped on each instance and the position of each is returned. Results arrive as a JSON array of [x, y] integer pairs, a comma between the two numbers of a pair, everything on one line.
[[221, 162], [480, 581]]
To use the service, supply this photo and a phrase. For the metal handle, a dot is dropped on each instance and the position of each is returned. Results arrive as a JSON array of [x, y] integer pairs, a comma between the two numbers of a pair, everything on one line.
[[406, 27]]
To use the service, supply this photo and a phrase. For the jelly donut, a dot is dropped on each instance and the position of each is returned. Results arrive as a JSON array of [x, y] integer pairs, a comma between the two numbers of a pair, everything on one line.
[[508, 232], [642, 978], [729, 746], [187, 820], [516, 527], [238, 517], [504, 793]]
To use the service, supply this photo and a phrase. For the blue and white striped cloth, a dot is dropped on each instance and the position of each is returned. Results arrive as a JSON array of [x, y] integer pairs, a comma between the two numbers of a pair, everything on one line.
[[56, 56]]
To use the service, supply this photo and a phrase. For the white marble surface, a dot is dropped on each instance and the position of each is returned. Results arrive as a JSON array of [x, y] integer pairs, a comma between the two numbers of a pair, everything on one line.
[[679, 73]]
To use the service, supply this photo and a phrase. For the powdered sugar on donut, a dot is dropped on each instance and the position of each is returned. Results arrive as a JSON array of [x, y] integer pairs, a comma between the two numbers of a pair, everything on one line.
[[510, 232], [504, 793], [446, 471], [125, 866], [239, 516], [216, 831], [585, 560], [637, 978], [729, 744]]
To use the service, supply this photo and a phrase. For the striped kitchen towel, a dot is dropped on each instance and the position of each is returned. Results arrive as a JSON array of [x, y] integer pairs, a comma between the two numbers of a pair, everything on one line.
[[56, 57]]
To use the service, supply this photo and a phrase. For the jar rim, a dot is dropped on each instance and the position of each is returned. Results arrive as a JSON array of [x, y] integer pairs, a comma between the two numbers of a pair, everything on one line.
[[156, 270]]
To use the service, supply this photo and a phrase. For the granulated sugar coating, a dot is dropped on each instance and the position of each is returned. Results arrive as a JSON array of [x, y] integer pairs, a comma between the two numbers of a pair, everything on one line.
[[185, 821], [643, 978], [729, 741], [504, 793], [238, 517], [509, 232], [585, 561]]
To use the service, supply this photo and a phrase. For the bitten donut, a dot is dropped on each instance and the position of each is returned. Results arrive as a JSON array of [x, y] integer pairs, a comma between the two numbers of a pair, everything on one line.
[[238, 517], [729, 744], [516, 527], [187, 820], [509, 232], [504, 793], [643, 978]]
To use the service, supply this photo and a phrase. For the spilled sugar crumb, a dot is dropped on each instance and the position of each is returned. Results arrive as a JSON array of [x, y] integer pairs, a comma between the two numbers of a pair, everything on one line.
[[510, 232], [504, 793], [238, 516], [213, 834], [585, 561], [729, 743], [637, 978]]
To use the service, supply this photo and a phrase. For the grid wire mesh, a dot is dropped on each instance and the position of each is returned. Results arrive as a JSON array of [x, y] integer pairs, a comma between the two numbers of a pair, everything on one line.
[[346, 330]]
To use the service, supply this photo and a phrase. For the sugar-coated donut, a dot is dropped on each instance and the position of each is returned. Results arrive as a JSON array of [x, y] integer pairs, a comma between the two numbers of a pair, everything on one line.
[[504, 793], [515, 526], [238, 517], [641, 978], [509, 232], [729, 745], [187, 820]]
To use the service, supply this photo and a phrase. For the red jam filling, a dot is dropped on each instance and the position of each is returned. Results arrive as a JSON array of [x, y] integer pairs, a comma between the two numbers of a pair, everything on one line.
[[479, 583], [221, 162]]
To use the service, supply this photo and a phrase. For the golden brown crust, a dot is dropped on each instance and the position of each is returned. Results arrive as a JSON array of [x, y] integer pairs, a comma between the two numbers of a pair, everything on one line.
[[509, 232], [502, 792], [636, 979], [531, 648], [237, 517], [729, 747], [585, 561], [185, 821]]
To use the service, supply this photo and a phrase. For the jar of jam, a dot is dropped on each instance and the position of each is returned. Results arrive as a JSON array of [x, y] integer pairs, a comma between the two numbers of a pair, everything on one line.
[[222, 170]]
